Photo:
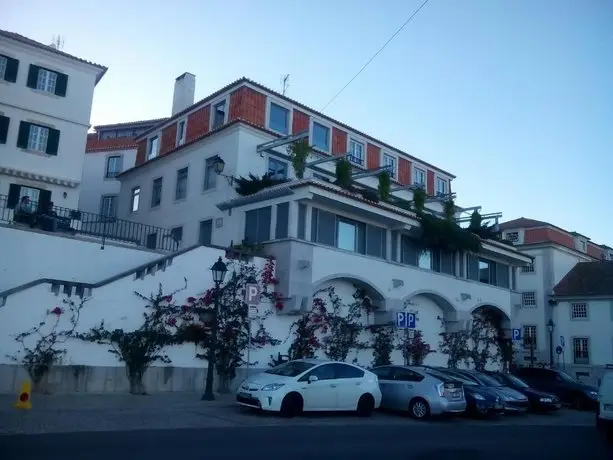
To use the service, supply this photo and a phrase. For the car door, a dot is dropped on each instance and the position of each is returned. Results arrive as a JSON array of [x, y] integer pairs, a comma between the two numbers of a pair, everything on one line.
[[349, 380], [386, 384], [321, 394], [404, 386]]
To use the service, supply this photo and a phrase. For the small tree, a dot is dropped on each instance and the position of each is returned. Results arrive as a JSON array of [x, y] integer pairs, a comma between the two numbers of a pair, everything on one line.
[[299, 153], [382, 344], [454, 345], [414, 350], [41, 345], [305, 331], [483, 344], [140, 348]]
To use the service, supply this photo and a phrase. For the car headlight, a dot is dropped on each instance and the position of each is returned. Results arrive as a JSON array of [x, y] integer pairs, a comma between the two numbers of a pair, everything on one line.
[[546, 400], [593, 394], [272, 386], [479, 397]]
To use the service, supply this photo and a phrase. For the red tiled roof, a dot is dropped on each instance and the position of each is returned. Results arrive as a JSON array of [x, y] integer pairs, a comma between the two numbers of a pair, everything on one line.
[[587, 279], [100, 145], [523, 222], [246, 80], [127, 124], [42, 46]]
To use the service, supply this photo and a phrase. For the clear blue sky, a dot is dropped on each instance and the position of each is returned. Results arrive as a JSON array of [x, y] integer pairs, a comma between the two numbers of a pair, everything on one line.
[[515, 97]]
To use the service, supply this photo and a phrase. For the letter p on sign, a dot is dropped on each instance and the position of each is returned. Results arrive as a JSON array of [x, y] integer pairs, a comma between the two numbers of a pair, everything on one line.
[[252, 294]]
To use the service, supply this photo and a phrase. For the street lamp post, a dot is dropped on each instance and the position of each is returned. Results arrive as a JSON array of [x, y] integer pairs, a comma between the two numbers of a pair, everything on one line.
[[219, 270], [550, 326]]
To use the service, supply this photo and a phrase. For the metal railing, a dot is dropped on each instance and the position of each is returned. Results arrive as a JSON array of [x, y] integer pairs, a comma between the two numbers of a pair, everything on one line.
[[72, 221]]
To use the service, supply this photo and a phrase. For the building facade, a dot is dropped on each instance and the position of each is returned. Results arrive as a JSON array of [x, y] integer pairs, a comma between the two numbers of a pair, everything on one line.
[[555, 252], [45, 106], [319, 233], [110, 150], [582, 304]]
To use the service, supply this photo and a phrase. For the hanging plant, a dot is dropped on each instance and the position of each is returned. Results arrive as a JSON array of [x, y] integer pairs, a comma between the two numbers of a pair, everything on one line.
[[299, 153], [249, 185], [449, 210], [343, 174], [385, 184], [419, 199]]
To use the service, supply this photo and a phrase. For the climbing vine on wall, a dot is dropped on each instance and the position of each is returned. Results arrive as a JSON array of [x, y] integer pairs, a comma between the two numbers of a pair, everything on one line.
[[414, 349], [42, 345], [382, 344], [454, 344]]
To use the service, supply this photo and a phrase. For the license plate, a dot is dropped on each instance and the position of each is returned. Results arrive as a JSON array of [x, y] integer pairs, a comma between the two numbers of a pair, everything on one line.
[[242, 394], [456, 396]]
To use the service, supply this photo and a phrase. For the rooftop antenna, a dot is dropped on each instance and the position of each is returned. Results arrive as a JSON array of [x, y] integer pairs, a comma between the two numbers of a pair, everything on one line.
[[285, 83], [57, 42]]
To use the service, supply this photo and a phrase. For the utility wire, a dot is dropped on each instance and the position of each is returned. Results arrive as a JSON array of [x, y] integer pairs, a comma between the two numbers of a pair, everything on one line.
[[376, 54]]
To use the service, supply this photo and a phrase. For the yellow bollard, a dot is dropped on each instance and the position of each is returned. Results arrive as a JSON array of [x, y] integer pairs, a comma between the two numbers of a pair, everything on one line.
[[24, 400]]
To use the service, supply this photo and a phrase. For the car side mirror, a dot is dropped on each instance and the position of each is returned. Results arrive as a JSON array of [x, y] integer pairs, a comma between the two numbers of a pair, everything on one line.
[[313, 378]]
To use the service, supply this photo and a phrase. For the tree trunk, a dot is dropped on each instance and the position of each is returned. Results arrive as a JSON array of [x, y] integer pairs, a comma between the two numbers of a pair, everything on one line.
[[136, 383], [224, 384]]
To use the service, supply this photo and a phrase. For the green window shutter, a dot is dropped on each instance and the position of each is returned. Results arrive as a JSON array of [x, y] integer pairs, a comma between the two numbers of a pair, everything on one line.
[[33, 76], [24, 134], [53, 142], [12, 66], [61, 84], [4, 129]]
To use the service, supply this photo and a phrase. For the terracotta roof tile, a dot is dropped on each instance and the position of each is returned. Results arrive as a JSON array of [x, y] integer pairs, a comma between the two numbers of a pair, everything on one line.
[[100, 145], [125, 124], [523, 222], [28, 41], [587, 279]]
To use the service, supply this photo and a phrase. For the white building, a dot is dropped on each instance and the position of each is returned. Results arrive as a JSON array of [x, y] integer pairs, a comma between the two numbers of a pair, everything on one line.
[[319, 232], [45, 106], [582, 305], [555, 251], [109, 151]]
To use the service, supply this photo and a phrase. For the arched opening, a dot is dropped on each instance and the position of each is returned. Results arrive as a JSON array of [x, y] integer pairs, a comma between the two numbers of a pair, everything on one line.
[[491, 327], [351, 285]]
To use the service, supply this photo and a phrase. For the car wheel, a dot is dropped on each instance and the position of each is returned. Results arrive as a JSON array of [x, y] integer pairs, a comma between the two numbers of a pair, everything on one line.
[[419, 409], [366, 405], [292, 405], [578, 402]]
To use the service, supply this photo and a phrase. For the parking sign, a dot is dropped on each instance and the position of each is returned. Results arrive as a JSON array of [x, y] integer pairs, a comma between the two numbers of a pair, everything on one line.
[[252, 294], [405, 320], [516, 335]]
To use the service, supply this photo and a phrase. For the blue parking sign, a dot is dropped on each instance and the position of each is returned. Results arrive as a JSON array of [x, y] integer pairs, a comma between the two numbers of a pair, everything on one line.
[[405, 320], [516, 334]]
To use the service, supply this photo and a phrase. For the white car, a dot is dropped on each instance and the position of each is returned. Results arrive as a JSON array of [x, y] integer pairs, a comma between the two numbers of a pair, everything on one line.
[[604, 413], [311, 385]]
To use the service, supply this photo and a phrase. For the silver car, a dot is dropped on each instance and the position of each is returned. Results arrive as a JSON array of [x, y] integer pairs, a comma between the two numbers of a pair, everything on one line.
[[413, 389]]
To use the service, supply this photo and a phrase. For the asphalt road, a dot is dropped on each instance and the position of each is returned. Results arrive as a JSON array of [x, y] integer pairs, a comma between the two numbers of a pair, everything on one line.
[[427, 442]]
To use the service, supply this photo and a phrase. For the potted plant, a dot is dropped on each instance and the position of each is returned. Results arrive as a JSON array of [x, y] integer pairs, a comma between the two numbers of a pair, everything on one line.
[[343, 173], [384, 185]]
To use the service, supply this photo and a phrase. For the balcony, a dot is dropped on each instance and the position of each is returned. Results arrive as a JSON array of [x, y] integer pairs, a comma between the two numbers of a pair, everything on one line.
[[74, 222], [320, 232]]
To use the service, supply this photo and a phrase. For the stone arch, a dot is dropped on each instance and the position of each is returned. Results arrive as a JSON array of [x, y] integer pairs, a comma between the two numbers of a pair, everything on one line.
[[500, 317], [450, 313], [373, 292]]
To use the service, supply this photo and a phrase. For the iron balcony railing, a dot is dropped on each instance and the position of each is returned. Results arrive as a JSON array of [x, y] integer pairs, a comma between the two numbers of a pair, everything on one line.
[[72, 221]]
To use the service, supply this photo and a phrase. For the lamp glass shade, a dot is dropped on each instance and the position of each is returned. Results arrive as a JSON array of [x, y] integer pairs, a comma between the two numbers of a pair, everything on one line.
[[219, 270], [219, 165], [550, 325]]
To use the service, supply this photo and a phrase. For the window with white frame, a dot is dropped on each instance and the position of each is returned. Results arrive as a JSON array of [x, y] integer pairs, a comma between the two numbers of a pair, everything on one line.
[[277, 169], [581, 350], [154, 146], [320, 137], [210, 175], [513, 237], [419, 177], [278, 118], [38, 137], [3, 63], [108, 207], [113, 166], [135, 199], [181, 132], [46, 81], [529, 337], [356, 152], [442, 186], [391, 163], [219, 114], [528, 268], [528, 299], [578, 311]]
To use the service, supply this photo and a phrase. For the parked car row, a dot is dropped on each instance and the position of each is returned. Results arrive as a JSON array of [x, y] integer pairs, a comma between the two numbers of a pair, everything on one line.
[[321, 385]]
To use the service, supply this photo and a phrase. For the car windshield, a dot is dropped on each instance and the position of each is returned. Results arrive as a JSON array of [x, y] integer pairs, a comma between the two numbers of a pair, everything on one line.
[[516, 381], [566, 377], [454, 376], [291, 369], [488, 381]]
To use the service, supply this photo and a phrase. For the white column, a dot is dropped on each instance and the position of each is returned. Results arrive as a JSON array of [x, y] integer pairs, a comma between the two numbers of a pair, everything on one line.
[[273, 221], [292, 225], [307, 222], [389, 245]]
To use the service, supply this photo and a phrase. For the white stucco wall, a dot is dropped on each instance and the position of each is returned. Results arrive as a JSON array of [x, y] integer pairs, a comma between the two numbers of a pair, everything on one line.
[[29, 255], [94, 183]]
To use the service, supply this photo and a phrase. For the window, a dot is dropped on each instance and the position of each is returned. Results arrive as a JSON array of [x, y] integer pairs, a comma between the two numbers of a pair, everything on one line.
[[513, 237], [424, 259], [257, 225], [383, 373], [205, 233], [441, 186], [181, 133], [181, 187], [528, 299], [324, 372], [8, 68], [135, 199], [47, 80], [345, 371], [282, 226], [38, 138], [583, 245], [210, 176], [321, 137], [485, 268], [108, 207], [407, 375], [154, 145], [527, 268], [278, 119], [581, 350], [113, 166], [529, 337], [419, 177], [156, 192], [277, 169], [219, 114], [356, 152], [4, 129], [578, 311], [390, 162]]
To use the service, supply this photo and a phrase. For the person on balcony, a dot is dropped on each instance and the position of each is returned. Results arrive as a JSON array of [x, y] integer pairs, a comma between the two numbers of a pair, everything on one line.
[[48, 219], [24, 212]]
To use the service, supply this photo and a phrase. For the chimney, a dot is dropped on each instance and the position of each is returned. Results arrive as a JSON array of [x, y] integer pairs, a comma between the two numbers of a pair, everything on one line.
[[185, 87]]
